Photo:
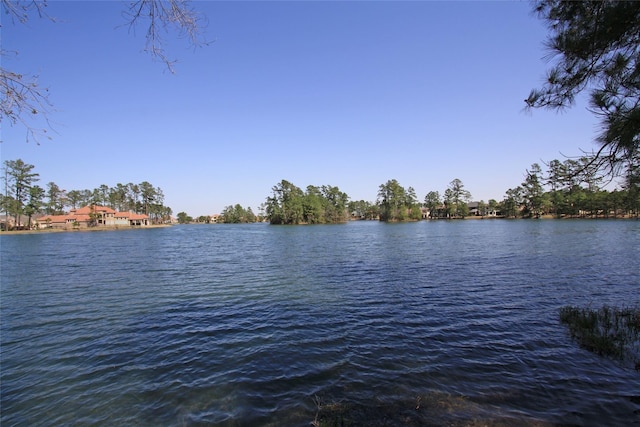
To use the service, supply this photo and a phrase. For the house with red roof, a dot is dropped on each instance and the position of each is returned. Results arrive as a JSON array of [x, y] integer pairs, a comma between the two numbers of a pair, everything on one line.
[[93, 216]]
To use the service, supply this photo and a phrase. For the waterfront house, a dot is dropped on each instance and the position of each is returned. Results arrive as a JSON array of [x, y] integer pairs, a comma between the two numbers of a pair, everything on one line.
[[94, 215]]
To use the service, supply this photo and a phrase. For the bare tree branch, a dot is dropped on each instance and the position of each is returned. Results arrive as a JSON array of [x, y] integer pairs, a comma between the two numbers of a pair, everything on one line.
[[23, 100], [162, 17], [19, 10]]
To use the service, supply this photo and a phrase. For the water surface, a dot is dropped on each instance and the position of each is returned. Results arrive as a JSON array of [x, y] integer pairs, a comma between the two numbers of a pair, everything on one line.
[[438, 323]]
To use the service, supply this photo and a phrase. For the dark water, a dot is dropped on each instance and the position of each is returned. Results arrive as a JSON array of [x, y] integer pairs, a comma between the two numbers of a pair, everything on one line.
[[430, 323]]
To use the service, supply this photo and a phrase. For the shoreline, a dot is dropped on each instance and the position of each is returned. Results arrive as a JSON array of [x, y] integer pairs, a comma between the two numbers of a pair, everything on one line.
[[84, 229], [473, 218]]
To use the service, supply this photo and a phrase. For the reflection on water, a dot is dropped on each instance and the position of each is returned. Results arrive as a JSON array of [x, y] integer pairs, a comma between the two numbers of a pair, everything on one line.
[[439, 323]]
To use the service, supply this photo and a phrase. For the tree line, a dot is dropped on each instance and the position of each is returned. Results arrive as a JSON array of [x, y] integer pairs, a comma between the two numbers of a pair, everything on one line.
[[22, 196], [572, 188], [326, 204]]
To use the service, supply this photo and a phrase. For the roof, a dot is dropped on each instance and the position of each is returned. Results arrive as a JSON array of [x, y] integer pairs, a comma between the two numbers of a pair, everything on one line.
[[55, 218], [131, 215], [86, 210], [138, 216]]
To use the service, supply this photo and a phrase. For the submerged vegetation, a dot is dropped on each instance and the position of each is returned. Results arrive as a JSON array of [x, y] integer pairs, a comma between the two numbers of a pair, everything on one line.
[[433, 408], [609, 331]]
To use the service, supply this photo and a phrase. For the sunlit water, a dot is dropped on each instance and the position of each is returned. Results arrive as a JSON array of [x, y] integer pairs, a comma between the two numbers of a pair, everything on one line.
[[436, 323]]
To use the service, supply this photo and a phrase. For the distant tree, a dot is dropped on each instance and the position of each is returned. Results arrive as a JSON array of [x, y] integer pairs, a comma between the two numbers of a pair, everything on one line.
[[118, 197], [596, 45], [288, 204], [314, 205], [183, 218], [157, 210], [19, 178], [85, 197], [285, 206], [147, 195], [74, 198], [250, 216], [533, 191], [358, 209], [493, 206], [432, 202], [133, 197], [412, 205], [102, 195], [457, 198], [335, 204], [512, 202], [36, 202], [631, 184], [556, 174], [237, 214], [392, 201], [482, 208], [56, 199]]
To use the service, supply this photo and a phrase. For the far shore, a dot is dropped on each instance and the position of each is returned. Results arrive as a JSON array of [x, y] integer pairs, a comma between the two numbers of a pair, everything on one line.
[[116, 228], [74, 230]]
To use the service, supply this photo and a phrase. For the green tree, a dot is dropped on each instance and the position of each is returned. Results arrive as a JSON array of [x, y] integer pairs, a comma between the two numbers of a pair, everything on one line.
[[36, 202], [288, 204], [85, 197], [314, 206], [249, 215], [183, 218], [457, 197], [556, 173], [482, 208], [392, 201], [285, 205], [102, 194], [360, 209], [412, 204], [373, 211], [493, 207], [118, 197], [19, 178], [617, 201], [236, 215], [55, 199], [512, 202], [147, 196], [432, 202], [533, 191], [157, 210], [133, 197], [335, 202], [596, 44], [74, 197], [631, 184]]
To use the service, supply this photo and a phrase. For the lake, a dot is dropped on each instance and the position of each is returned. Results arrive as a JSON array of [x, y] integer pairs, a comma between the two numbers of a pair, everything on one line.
[[426, 323]]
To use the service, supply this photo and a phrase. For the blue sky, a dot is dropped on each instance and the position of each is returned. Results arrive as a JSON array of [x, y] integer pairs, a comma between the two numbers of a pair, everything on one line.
[[349, 94]]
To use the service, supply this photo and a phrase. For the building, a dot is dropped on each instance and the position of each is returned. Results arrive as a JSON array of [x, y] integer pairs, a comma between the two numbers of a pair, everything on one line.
[[93, 216]]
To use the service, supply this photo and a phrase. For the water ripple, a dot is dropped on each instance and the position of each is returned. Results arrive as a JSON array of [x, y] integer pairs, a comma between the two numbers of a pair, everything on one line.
[[438, 323]]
